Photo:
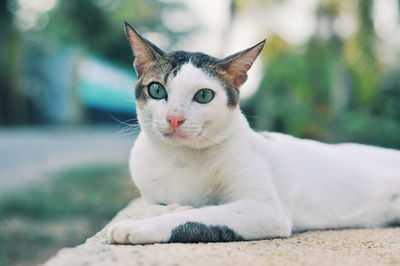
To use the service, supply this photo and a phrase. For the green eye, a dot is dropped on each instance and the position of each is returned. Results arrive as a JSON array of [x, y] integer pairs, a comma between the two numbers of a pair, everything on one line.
[[204, 96], [157, 91]]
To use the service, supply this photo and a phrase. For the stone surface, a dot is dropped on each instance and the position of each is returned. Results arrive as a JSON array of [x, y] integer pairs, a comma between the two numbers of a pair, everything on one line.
[[332, 247]]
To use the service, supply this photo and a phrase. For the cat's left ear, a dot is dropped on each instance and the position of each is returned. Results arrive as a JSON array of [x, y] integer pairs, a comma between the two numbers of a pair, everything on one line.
[[144, 51], [235, 67]]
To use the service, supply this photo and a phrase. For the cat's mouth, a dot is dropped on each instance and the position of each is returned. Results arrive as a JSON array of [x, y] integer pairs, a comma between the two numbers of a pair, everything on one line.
[[175, 135], [180, 135]]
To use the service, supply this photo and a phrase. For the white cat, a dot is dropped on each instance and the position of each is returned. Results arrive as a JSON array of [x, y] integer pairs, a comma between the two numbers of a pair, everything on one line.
[[197, 150]]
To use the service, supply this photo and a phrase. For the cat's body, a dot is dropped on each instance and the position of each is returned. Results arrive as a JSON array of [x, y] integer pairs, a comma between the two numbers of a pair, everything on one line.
[[239, 184]]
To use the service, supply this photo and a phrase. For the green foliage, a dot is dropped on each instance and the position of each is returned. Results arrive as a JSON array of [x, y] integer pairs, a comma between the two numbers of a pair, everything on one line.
[[331, 88], [97, 27], [31, 34], [37, 221], [294, 94], [361, 127]]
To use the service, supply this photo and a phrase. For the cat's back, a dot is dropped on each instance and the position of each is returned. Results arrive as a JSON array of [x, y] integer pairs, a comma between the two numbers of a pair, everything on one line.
[[282, 145], [346, 179], [293, 160], [371, 153]]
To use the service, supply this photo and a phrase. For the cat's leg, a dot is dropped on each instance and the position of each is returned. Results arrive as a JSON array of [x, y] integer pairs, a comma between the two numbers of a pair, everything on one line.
[[238, 220], [157, 209]]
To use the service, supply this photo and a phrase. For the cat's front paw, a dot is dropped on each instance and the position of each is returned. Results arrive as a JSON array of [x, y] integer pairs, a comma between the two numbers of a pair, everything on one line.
[[135, 232], [157, 210]]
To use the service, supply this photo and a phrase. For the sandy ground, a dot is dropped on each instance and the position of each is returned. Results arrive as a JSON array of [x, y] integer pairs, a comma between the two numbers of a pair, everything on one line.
[[338, 247]]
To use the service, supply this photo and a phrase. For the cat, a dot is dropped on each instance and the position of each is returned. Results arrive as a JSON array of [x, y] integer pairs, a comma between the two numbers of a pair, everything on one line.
[[211, 178]]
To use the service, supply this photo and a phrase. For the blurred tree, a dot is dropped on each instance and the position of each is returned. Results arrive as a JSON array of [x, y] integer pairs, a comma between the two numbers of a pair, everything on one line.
[[332, 88], [12, 103], [361, 55], [101, 32], [29, 35]]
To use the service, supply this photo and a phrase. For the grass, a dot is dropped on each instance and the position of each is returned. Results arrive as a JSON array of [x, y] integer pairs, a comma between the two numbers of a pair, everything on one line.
[[63, 211]]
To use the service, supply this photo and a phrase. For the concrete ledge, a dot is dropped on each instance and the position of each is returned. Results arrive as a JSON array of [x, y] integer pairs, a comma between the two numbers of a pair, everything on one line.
[[339, 247]]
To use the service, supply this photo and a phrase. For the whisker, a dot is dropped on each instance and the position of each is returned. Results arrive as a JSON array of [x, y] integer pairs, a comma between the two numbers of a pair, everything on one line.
[[127, 131], [252, 116], [208, 137]]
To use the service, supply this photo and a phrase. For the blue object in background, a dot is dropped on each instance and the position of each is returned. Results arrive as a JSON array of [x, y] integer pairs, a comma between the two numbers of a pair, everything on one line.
[[104, 86]]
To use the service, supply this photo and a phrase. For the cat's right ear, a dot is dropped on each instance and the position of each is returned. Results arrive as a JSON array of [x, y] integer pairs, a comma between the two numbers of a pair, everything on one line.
[[144, 51], [235, 67]]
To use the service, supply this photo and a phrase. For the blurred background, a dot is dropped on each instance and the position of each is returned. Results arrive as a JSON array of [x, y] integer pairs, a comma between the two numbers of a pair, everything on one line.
[[330, 71]]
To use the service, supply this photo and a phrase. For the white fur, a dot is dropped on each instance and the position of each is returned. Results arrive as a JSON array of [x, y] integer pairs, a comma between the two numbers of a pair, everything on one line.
[[259, 185]]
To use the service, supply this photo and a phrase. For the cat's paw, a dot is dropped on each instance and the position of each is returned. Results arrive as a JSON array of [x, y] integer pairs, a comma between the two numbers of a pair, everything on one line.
[[133, 232], [157, 210]]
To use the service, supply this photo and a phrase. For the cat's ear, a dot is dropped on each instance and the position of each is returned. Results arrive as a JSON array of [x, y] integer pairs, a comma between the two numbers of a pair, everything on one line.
[[235, 67], [144, 51]]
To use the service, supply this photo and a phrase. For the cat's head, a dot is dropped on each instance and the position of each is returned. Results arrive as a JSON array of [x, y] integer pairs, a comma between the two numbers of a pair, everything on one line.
[[185, 98]]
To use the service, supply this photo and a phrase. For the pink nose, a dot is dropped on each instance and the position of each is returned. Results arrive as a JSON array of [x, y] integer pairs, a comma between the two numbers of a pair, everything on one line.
[[175, 121]]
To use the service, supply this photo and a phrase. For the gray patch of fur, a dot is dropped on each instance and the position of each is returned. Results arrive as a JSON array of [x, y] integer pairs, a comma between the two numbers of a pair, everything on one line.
[[394, 197], [161, 65], [194, 232], [170, 64]]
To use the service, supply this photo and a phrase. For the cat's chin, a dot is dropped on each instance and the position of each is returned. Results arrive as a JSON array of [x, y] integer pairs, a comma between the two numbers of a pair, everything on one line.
[[174, 136], [180, 139]]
